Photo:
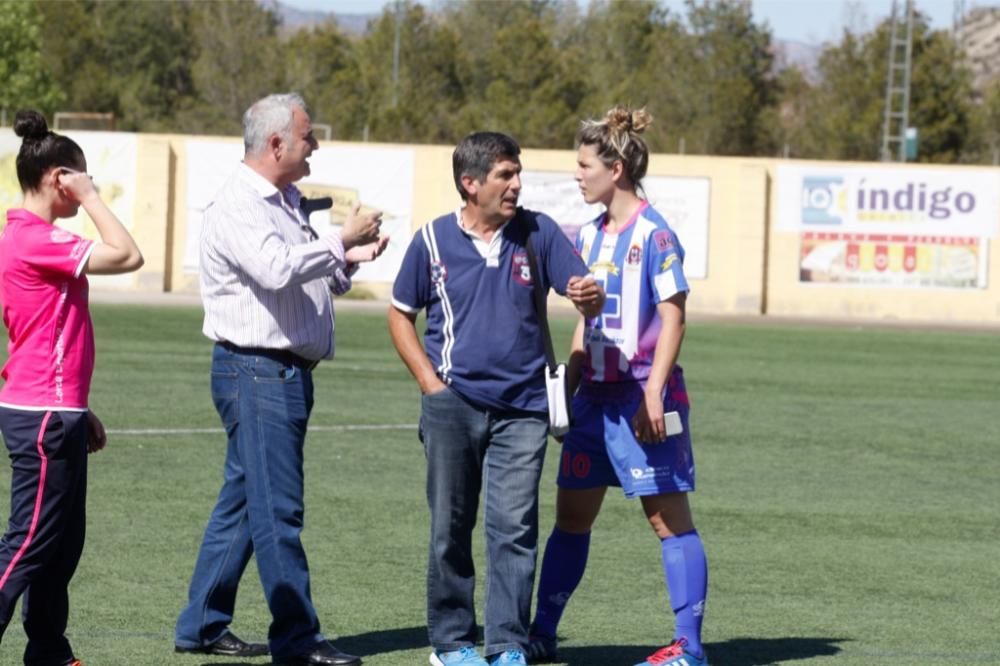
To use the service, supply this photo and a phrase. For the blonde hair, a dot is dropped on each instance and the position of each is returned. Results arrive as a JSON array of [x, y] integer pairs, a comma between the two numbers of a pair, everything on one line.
[[617, 137]]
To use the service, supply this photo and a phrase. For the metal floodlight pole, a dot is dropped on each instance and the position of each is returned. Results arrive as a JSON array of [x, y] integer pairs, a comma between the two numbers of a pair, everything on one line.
[[885, 153], [395, 56], [907, 70], [897, 92]]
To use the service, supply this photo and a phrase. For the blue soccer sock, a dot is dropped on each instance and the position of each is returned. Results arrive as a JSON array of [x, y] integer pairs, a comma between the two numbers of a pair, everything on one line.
[[562, 569], [686, 572]]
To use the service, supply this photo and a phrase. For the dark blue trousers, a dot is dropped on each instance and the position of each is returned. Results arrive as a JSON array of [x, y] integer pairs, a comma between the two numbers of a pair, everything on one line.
[[45, 533]]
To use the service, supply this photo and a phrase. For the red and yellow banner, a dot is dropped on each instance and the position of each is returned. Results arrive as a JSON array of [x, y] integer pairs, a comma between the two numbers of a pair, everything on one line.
[[893, 260]]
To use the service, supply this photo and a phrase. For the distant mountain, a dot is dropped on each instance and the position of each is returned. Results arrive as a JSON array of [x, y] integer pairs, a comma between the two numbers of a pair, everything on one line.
[[790, 53], [787, 53], [293, 19]]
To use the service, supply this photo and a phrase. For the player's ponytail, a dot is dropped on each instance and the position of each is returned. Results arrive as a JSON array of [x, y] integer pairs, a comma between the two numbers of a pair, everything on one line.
[[617, 138], [42, 150]]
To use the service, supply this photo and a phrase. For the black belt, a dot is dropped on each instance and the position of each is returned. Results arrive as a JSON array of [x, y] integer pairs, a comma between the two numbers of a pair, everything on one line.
[[282, 356]]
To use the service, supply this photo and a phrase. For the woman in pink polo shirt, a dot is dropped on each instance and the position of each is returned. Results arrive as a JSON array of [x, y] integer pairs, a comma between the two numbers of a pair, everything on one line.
[[44, 418]]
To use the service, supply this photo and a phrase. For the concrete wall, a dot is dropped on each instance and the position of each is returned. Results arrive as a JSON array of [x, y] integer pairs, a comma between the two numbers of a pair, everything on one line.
[[753, 267]]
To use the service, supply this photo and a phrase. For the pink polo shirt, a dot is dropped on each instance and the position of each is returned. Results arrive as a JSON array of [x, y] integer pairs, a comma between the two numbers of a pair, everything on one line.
[[44, 296]]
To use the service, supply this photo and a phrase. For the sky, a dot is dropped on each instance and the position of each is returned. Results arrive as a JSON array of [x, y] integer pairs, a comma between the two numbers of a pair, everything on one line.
[[811, 21]]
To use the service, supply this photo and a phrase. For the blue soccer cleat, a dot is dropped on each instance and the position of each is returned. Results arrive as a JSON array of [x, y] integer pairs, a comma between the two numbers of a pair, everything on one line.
[[674, 655], [509, 658], [466, 656]]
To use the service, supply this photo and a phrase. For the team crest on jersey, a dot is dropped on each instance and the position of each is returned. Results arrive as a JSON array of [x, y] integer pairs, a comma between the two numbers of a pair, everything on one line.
[[521, 269], [668, 262], [634, 257], [439, 272], [663, 240]]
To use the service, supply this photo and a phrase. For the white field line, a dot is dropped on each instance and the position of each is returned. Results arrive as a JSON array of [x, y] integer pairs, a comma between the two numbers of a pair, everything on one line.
[[154, 432]]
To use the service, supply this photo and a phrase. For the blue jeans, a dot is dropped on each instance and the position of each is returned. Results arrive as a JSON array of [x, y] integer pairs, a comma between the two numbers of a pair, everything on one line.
[[466, 447], [264, 403]]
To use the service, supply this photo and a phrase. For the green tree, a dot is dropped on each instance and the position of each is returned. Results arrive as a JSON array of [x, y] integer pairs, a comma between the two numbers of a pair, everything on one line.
[[985, 146], [127, 58], [845, 116], [720, 84], [788, 121], [413, 97], [239, 59], [624, 52], [321, 65], [25, 81], [847, 111], [941, 101], [519, 73]]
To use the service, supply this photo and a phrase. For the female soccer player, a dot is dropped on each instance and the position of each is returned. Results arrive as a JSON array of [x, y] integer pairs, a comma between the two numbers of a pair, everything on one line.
[[43, 403], [631, 393]]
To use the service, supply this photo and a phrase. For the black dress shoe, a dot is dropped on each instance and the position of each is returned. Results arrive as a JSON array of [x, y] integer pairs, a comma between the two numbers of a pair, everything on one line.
[[323, 654], [228, 645]]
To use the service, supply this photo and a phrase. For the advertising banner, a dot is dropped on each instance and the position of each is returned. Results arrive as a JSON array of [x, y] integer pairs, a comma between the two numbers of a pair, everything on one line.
[[378, 178], [684, 202], [111, 160], [887, 260], [882, 200], [890, 226]]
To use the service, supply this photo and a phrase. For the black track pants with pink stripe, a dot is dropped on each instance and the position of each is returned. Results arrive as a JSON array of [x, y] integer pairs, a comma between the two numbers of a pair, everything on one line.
[[45, 533]]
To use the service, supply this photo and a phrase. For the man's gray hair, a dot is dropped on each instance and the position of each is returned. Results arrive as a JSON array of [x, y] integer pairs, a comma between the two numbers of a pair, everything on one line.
[[267, 116]]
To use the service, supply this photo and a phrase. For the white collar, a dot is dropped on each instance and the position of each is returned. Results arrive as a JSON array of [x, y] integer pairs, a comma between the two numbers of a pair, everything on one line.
[[265, 188], [490, 251], [475, 236]]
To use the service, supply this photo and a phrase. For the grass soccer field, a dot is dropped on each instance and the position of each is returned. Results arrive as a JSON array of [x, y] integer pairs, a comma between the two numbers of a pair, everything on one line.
[[848, 497]]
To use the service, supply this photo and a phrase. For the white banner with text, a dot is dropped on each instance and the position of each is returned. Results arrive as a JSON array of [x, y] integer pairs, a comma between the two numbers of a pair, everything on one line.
[[684, 202], [378, 178]]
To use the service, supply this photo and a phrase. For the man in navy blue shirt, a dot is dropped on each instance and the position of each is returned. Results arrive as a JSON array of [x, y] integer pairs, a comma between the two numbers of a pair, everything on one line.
[[481, 372]]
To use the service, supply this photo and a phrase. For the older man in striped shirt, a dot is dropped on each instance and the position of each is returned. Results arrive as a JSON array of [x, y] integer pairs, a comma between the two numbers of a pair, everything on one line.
[[266, 280]]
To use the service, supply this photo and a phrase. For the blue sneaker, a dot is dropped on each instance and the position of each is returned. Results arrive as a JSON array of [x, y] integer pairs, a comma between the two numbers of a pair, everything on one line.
[[674, 655], [466, 656], [511, 657]]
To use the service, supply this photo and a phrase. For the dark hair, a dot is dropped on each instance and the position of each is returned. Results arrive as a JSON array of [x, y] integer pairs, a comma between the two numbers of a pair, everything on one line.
[[476, 154], [616, 137], [41, 150]]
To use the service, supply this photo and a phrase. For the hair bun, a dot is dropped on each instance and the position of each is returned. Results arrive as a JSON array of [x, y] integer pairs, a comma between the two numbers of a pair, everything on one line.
[[30, 125], [623, 119], [619, 119], [640, 120]]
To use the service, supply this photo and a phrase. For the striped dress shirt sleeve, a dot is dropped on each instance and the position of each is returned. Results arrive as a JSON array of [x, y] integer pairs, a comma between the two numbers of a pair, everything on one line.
[[264, 282]]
